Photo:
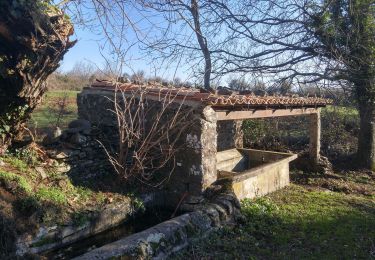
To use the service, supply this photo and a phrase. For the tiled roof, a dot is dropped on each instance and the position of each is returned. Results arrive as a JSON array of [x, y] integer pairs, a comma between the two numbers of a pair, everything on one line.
[[218, 100]]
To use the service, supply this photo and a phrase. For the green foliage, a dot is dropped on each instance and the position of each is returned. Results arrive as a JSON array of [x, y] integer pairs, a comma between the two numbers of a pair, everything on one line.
[[278, 134], [261, 216], [47, 6], [43, 241], [347, 30], [258, 208], [7, 120], [137, 203], [340, 128], [22, 184], [51, 194], [83, 193]]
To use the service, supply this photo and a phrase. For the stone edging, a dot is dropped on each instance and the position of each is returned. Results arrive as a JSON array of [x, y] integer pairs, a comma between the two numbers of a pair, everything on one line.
[[49, 238], [170, 236]]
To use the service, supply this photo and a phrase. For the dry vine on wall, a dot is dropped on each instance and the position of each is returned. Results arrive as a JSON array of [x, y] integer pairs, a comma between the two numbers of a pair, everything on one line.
[[149, 131]]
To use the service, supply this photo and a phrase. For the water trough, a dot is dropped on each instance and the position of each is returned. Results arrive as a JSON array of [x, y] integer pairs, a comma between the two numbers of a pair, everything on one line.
[[254, 173]]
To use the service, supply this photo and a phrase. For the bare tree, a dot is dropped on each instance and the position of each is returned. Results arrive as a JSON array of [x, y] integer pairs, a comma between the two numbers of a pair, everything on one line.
[[194, 9], [148, 130], [305, 41], [301, 41], [239, 83], [182, 39]]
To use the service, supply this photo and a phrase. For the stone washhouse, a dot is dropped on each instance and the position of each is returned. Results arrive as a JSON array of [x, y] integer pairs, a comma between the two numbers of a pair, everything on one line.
[[212, 144]]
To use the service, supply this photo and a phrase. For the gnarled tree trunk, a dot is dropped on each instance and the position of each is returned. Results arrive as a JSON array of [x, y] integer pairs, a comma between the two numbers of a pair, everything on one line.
[[34, 36], [365, 89], [366, 139]]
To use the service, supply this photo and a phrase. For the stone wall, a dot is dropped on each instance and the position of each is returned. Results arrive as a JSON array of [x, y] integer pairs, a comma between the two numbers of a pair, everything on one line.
[[194, 167], [79, 154]]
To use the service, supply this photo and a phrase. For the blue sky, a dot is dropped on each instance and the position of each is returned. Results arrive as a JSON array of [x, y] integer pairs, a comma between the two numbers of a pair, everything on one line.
[[91, 46], [86, 49]]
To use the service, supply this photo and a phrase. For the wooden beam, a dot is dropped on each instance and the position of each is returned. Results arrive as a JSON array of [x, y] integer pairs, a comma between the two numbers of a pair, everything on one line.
[[261, 113]]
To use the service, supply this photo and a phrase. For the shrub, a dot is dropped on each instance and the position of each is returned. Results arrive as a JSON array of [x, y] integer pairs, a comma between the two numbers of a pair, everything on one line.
[[340, 127]]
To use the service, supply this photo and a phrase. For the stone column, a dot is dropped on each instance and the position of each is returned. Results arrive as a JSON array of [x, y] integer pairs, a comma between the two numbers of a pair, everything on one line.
[[314, 145]]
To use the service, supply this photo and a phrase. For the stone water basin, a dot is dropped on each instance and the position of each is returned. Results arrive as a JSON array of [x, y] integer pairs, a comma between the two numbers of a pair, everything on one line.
[[253, 173]]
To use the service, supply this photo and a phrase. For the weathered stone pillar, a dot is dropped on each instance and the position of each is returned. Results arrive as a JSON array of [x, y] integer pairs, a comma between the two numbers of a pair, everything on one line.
[[229, 135], [315, 128], [196, 160]]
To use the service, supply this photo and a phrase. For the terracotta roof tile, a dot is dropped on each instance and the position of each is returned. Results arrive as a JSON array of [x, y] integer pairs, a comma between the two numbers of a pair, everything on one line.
[[218, 100]]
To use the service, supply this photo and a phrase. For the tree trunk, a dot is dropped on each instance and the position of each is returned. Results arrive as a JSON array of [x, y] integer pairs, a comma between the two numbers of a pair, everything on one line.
[[202, 43], [366, 138], [34, 36]]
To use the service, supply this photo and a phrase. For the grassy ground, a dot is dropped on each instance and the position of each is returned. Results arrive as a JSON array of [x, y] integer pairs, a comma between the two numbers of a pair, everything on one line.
[[30, 199], [58, 108], [299, 222]]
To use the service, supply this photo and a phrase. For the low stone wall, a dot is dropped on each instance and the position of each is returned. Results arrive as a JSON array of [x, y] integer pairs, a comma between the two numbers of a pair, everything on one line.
[[173, 235], [58, 236]]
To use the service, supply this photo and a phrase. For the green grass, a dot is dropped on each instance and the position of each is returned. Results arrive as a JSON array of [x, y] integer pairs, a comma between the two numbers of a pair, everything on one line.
[[47, 113], [17, 163], [20, 181], [83, 193], [61, 93], [296, 224], [51, 194], [347, 111]]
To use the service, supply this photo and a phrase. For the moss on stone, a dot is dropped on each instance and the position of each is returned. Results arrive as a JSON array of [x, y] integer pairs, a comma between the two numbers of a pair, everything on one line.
[[43, 241]]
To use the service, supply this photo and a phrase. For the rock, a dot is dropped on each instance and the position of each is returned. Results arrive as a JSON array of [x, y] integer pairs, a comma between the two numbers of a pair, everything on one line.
[[2, 163], [108, 200], [78, 139], [52, 136], [47, 140], [62, 184], [194, 199], [41, 172], [86, 131], [57, 132], [72, 130], [60, 155], [325, 165], [80, 124], [62, 168]]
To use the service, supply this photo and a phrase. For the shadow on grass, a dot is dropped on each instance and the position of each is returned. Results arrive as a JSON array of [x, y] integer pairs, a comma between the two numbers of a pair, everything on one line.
[[304, 226]]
